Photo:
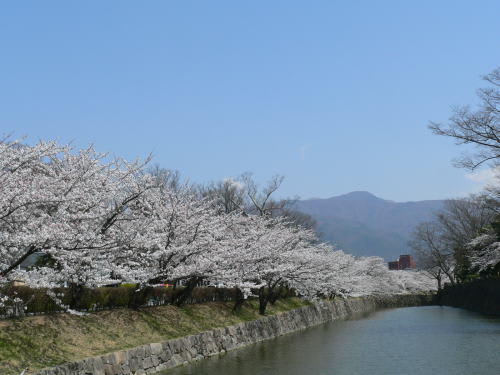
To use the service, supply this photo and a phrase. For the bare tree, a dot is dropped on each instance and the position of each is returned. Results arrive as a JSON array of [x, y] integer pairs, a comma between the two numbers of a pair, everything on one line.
[[298, 218], [491, 196], [245, 195], [433, 254], [444, 241], [480, 127], [261, 199], [463, 219], [166, 177], [436, 273], [227, 195]]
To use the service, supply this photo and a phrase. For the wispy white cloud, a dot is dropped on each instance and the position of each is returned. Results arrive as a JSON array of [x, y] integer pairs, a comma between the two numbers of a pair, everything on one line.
[[237, 184], [484, 178], [302, 151]]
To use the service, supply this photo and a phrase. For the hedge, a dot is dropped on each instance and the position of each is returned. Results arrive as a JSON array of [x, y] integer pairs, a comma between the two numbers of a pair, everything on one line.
[[37, 301]]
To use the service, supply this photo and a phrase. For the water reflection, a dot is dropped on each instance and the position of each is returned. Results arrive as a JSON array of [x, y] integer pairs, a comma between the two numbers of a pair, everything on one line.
[[417, 340]]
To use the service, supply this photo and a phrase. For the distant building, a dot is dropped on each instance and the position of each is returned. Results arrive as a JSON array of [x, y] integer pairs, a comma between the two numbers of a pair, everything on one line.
[[404, 262], [394, 265]]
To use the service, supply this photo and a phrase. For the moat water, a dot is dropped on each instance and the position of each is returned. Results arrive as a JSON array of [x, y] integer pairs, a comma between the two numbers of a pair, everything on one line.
[[414, 340]]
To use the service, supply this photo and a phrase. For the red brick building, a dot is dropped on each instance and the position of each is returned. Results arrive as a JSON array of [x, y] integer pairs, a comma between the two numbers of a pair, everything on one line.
[[406, 261], [403, 263]]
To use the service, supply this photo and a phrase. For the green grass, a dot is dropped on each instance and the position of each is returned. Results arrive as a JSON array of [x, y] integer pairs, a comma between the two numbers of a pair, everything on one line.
[[42, 341]]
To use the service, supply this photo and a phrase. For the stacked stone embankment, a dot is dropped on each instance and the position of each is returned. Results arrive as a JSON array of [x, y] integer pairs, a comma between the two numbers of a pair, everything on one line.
[[479, 295], [156, 357]]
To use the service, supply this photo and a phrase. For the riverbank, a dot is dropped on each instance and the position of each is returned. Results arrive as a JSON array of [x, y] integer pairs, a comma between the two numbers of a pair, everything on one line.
[[480, 295], [37, 342], [170, 353]]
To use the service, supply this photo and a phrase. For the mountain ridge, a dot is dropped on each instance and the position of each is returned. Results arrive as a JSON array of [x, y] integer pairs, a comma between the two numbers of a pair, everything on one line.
[[363, 224]]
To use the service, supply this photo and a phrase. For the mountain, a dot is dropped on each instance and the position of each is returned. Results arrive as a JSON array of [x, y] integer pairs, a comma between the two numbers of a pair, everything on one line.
[[362, 224]]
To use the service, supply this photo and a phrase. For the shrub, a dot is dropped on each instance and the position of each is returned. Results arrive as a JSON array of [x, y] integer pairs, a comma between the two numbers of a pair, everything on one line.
[[38, 301]]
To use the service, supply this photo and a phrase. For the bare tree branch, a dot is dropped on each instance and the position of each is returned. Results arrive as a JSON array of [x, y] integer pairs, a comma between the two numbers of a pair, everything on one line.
[[480, 127]]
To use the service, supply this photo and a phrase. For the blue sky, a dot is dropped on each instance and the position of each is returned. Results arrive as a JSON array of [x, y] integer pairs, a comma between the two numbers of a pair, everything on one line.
[[334, 95]]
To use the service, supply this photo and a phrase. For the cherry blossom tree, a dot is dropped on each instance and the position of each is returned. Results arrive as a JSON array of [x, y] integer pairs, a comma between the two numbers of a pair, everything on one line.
[[72, 206], [101, 220], [485, 254]]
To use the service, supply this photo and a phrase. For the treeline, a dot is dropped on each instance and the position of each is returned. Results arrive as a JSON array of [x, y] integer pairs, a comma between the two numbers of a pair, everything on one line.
[[93, 220], [462, 242]]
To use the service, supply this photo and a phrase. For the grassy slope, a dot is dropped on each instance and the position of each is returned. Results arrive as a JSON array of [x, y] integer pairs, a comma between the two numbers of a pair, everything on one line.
[[43, 341]]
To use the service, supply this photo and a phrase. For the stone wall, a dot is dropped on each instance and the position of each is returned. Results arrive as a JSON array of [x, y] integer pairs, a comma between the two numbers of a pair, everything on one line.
[[479, 295], [152, 358]]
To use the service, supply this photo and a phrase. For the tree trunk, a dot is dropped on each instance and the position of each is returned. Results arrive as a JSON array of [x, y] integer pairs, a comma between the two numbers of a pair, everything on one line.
[[451, 278], [262, 301], [239, 300]]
